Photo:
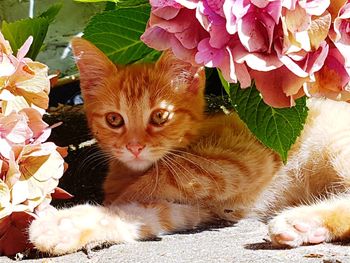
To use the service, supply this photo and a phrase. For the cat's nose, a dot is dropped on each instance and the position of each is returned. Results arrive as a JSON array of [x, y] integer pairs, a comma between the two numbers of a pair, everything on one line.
[[135, 148]]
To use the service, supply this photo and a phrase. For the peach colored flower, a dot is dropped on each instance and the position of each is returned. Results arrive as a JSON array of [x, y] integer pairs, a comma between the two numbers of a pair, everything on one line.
[[18, 129], [14, 130], [23, 83], [34, 171], [5, 198], [29, 179], [29, 168]]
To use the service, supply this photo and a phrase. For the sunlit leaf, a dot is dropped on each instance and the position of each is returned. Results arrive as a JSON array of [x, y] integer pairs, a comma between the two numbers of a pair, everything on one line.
[[278, 129], [117, 33]]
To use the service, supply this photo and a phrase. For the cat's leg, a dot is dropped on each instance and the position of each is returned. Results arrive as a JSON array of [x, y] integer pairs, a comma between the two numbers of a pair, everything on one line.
[[324, 221], [72, 229]]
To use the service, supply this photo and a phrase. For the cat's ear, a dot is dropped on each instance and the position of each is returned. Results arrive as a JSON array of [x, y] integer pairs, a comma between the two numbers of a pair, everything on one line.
[[94, 66], [184, 76]]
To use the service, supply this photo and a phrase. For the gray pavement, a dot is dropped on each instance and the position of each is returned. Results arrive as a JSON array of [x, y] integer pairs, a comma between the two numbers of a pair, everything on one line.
[[244, 242]]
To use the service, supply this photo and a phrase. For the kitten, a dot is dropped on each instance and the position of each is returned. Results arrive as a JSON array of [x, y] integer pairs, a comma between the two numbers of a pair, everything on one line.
[[174, 168]]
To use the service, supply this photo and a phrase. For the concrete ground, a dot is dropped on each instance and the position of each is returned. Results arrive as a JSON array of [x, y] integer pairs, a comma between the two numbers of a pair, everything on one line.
[[244, 242]]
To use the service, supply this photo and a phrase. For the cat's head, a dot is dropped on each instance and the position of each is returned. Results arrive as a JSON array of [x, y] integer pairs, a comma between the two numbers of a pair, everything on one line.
[[139, 112]]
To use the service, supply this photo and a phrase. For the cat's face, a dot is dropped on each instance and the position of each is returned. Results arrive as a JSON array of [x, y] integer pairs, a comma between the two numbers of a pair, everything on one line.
[[139, 113]]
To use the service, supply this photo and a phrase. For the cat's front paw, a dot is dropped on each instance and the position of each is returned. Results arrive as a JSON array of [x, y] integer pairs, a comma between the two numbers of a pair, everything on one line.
[[296, 227], [60, 232]]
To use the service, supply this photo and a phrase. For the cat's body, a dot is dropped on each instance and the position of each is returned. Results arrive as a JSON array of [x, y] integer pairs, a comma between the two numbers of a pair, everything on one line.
[[174, 168]]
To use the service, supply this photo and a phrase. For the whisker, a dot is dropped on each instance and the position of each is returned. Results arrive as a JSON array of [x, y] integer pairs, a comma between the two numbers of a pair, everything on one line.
[[182, 154], [187, 175], [98, 157], [179, 166], [200, 167], [176, 177], [188, 178], [156, 179], [200, 157]]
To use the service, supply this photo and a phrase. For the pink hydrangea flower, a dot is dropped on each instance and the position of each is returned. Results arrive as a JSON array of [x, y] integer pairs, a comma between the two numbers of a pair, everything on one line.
[[341, 33], [176, 27], [280, 44], [332, 79]]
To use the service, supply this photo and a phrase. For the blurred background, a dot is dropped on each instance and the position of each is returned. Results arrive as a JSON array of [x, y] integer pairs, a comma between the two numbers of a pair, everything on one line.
[[55, 52]]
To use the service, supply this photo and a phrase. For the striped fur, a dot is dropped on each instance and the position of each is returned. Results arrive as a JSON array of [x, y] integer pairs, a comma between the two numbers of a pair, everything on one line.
[[195, 168]]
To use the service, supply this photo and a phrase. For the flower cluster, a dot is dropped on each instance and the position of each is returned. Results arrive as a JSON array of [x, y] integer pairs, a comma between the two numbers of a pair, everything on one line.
[[29, 167], [288, 47]]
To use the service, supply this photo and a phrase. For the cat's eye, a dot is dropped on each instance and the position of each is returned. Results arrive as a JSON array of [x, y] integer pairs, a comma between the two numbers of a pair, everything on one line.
[[114, 120], [159, 117]]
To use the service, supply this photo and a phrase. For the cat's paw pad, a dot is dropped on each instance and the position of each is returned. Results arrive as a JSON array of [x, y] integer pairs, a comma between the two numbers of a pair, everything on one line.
[[57, 234], [293, 230]]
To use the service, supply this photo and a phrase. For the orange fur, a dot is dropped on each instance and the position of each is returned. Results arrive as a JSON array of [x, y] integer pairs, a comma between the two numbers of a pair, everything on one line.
[[193, 168]]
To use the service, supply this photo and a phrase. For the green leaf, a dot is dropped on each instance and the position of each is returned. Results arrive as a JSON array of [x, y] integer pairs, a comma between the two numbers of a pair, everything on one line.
[[224, 82], [110, 6], [96, 1], [117, 33], [150, 57], [131, 3], [124, 3], [18, 32], [278, 129], [52, 12]]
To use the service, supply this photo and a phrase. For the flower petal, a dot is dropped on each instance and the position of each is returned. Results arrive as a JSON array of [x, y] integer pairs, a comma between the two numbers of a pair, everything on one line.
[[5, 205], [13, 233], [23, 50], [278, 86], [157, 38]]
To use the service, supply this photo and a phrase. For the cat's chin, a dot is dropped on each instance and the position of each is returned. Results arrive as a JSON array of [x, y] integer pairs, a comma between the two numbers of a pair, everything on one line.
[[138, 165]]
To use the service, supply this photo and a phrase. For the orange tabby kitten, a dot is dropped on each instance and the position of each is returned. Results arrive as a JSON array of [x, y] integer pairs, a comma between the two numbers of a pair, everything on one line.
[[174, 168]]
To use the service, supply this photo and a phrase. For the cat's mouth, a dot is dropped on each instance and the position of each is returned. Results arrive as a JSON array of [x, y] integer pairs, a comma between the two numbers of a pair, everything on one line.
[[138, 164]]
